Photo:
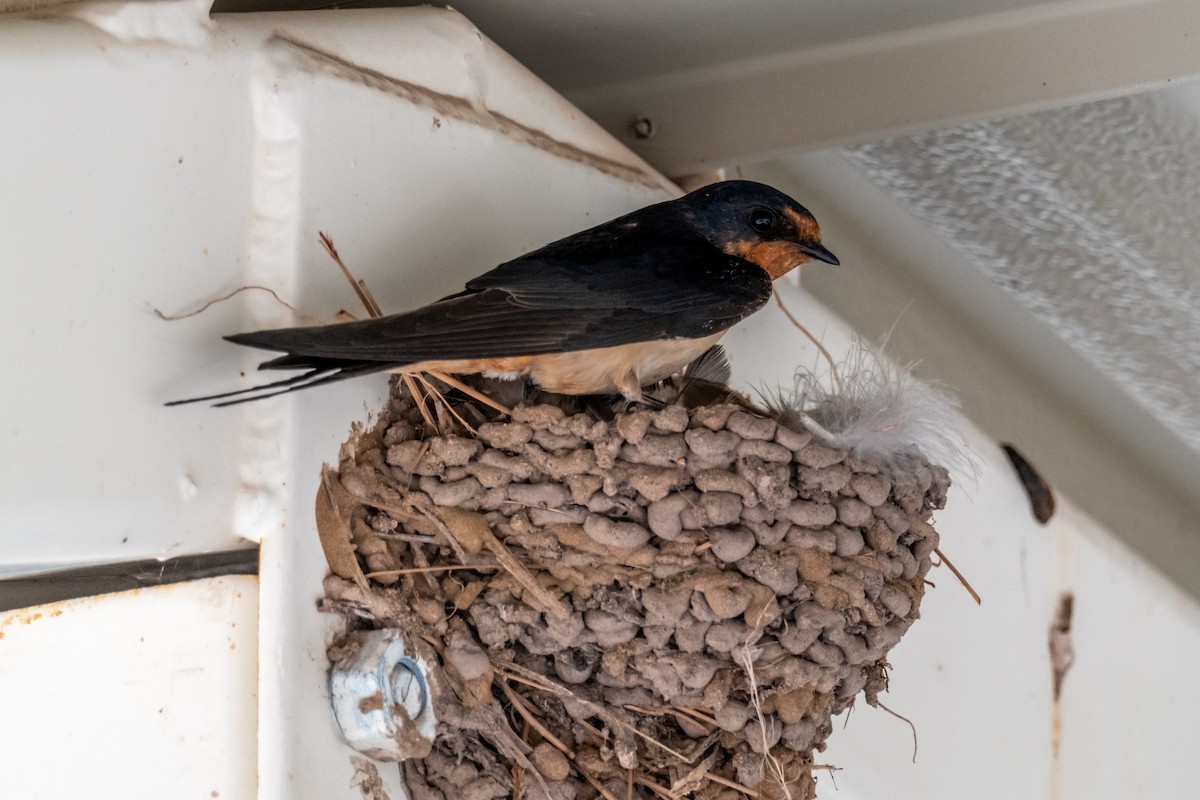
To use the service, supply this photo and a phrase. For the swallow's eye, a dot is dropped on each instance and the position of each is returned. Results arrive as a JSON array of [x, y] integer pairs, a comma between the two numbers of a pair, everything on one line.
[[763, 220]]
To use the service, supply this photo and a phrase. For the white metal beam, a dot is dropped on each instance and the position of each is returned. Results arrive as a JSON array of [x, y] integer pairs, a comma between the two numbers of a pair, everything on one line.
[[939, 75]]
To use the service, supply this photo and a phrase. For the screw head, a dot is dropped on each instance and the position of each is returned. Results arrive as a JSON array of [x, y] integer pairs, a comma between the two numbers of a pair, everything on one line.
[[643, 128]]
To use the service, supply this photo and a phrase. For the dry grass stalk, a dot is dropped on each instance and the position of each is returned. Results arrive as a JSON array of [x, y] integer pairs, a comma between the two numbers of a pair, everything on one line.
[[409, 538], [771, 761], [360, 287], [521, 705], [674, 711], [705, 718], [525, 681], [661, 791], [539, 596], [605, 714], [441, 402], [471, 392], [447, 535], [605, 793], [905, 719], [234, 293], [961, 579], [388, 573], [420, 399], [715, 778]]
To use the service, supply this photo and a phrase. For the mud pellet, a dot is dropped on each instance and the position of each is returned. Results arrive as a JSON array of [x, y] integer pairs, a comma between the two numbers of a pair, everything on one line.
[[704, 442], [712, 417], [672, 419], [850, 541], [663, 516], [792, 440], [733, 716], [633, 427], [871, 489], [816, 455], [809, 514], [461, 493], [505, 435], [767, 451], [852, 512], [538, 416], [614, 533], [750, 426], [662, 450]]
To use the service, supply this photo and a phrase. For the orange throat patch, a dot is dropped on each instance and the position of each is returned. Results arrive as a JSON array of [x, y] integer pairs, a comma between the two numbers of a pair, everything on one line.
[[778, 258]]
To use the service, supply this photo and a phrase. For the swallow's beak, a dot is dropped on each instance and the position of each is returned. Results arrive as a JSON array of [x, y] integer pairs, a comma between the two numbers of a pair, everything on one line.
[[815, 250]]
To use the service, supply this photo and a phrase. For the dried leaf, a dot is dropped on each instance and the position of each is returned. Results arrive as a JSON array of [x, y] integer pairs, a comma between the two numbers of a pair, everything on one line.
[[334, 509]]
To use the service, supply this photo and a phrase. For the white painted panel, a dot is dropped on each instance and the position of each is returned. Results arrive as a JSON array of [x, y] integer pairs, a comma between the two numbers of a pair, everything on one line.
[[138, 695]]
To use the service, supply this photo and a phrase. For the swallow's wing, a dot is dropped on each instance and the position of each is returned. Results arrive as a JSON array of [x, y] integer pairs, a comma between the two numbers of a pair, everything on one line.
[[576, 295], [541, 305]]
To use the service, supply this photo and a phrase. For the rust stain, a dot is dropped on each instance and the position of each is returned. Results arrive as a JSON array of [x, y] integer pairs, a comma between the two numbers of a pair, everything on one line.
[[1056, 731], [1062, 656], [448, 105], [28, 616], [25, 617]]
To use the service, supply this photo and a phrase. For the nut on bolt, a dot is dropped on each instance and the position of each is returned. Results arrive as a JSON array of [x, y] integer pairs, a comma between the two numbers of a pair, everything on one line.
[[381, 698]]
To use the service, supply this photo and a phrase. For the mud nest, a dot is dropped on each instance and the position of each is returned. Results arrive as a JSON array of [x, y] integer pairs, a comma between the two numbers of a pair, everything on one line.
[[660, 603]]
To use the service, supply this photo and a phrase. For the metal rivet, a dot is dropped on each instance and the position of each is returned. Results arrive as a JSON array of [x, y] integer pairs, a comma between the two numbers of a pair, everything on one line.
[[643, 128]]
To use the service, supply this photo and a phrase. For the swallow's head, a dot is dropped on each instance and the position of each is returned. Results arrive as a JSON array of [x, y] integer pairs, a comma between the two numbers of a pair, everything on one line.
[[757, 223]]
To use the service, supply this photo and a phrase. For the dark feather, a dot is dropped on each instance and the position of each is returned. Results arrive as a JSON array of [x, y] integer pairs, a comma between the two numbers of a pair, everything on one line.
[[543, 307], [712, 366], [316, 376]]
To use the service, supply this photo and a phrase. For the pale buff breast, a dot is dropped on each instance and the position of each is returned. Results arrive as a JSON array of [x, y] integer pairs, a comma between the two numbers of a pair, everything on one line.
[[624, 368]]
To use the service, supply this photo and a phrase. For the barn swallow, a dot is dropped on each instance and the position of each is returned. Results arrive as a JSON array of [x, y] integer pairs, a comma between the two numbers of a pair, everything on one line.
[[608, 310]]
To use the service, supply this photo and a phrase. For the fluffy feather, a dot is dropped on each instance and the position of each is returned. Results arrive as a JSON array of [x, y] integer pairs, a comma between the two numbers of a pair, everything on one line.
[[877, 410]]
